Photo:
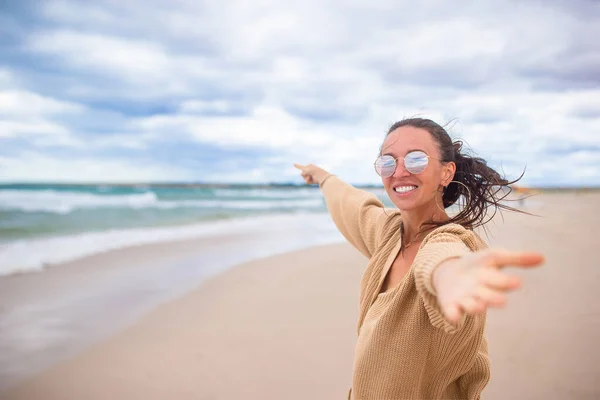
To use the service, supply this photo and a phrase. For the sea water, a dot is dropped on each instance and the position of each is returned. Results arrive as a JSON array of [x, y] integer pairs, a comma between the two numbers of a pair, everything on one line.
[[45, 224]]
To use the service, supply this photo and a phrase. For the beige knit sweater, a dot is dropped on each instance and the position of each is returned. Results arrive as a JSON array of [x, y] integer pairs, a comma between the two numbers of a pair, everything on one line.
[[406, 349]]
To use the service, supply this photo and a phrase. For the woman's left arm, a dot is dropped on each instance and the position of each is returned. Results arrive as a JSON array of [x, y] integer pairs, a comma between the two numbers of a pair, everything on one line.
[[456, 277]]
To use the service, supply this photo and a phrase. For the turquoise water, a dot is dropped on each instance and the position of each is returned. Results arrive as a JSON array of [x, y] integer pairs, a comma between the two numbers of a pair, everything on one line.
[[30, 211], [47, 224]]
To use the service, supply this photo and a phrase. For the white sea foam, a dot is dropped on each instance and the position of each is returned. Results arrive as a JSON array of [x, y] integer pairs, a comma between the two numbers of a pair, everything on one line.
[[246, 204], [62, 202], [29, 255], [293, 193]]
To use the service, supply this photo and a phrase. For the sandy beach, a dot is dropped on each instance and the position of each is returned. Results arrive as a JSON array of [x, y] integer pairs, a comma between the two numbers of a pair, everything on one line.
[[284, 327]]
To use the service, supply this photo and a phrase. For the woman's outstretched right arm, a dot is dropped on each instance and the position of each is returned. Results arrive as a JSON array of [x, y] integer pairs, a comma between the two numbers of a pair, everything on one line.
[[358, 214]]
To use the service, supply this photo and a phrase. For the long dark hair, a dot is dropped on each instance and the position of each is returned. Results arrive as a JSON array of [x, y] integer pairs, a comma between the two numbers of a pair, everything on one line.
[[483, 189]]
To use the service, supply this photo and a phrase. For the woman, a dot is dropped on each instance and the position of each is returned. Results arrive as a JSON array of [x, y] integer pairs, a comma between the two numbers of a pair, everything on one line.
[[430, 278]]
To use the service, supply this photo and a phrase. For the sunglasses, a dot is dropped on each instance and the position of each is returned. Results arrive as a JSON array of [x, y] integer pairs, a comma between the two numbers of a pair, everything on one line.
[[415, 162]]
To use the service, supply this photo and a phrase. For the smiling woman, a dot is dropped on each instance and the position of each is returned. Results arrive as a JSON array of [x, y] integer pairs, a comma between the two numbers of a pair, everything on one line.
[[430, 277], [452, 173]]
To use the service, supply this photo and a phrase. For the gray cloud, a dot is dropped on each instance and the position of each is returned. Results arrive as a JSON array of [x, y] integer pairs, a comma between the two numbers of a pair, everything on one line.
[[304, 78]]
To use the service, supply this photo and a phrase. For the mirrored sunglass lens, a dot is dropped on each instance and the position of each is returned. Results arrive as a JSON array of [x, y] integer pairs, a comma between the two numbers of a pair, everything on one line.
[[385, 165], [416, 162]]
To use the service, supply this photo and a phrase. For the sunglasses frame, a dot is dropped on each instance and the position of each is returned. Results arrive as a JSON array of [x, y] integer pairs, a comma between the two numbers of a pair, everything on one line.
[[403, 163]]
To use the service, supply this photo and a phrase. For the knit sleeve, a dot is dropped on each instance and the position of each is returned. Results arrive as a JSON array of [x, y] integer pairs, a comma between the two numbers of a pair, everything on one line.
[[450, 241], [358, 214]]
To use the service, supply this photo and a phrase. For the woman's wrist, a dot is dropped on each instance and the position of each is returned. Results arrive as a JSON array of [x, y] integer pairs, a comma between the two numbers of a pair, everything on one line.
[[323, 179]]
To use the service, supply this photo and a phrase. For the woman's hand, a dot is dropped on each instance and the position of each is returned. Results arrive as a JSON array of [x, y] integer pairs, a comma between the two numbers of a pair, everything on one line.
[[474, 282], [312, 174]]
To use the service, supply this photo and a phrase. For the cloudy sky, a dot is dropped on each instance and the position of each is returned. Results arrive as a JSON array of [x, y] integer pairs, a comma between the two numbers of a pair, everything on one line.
[[236, 90]]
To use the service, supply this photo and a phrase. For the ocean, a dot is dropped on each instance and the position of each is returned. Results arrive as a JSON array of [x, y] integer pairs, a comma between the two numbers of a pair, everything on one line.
[[45, 224]]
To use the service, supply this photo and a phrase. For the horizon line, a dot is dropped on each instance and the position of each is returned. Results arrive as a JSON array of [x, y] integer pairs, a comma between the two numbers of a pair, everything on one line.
[[256, 184]]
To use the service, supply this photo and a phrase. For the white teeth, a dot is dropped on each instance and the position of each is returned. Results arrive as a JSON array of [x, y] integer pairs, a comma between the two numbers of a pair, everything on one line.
[[404, 189]]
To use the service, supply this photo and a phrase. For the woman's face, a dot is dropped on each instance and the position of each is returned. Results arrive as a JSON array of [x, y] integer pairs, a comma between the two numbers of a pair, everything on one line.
[[424, 189]]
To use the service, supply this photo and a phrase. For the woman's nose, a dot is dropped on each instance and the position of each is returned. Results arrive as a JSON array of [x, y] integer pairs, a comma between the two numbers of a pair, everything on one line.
[[400, 171]]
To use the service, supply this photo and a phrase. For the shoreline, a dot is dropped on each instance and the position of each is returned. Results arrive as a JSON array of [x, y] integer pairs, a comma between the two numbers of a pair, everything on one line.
[[56, 313], [40, 253]]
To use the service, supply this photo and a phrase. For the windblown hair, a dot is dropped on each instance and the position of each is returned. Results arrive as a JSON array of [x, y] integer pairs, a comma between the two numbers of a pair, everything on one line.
[[486, 187]]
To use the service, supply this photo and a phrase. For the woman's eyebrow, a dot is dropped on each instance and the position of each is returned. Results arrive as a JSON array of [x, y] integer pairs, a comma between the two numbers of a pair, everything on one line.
[[391, 153], [411, 150]]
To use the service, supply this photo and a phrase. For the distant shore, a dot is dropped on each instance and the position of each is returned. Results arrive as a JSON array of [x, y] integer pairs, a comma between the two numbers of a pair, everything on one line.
[[172, 185], [270, 185]]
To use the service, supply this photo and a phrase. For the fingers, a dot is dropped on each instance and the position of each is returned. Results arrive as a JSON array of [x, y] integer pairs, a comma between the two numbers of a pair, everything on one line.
[[491, 297], [305, 175], [472, 305], [485, 297], [498, 280], [476, 304], [502, 258]]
